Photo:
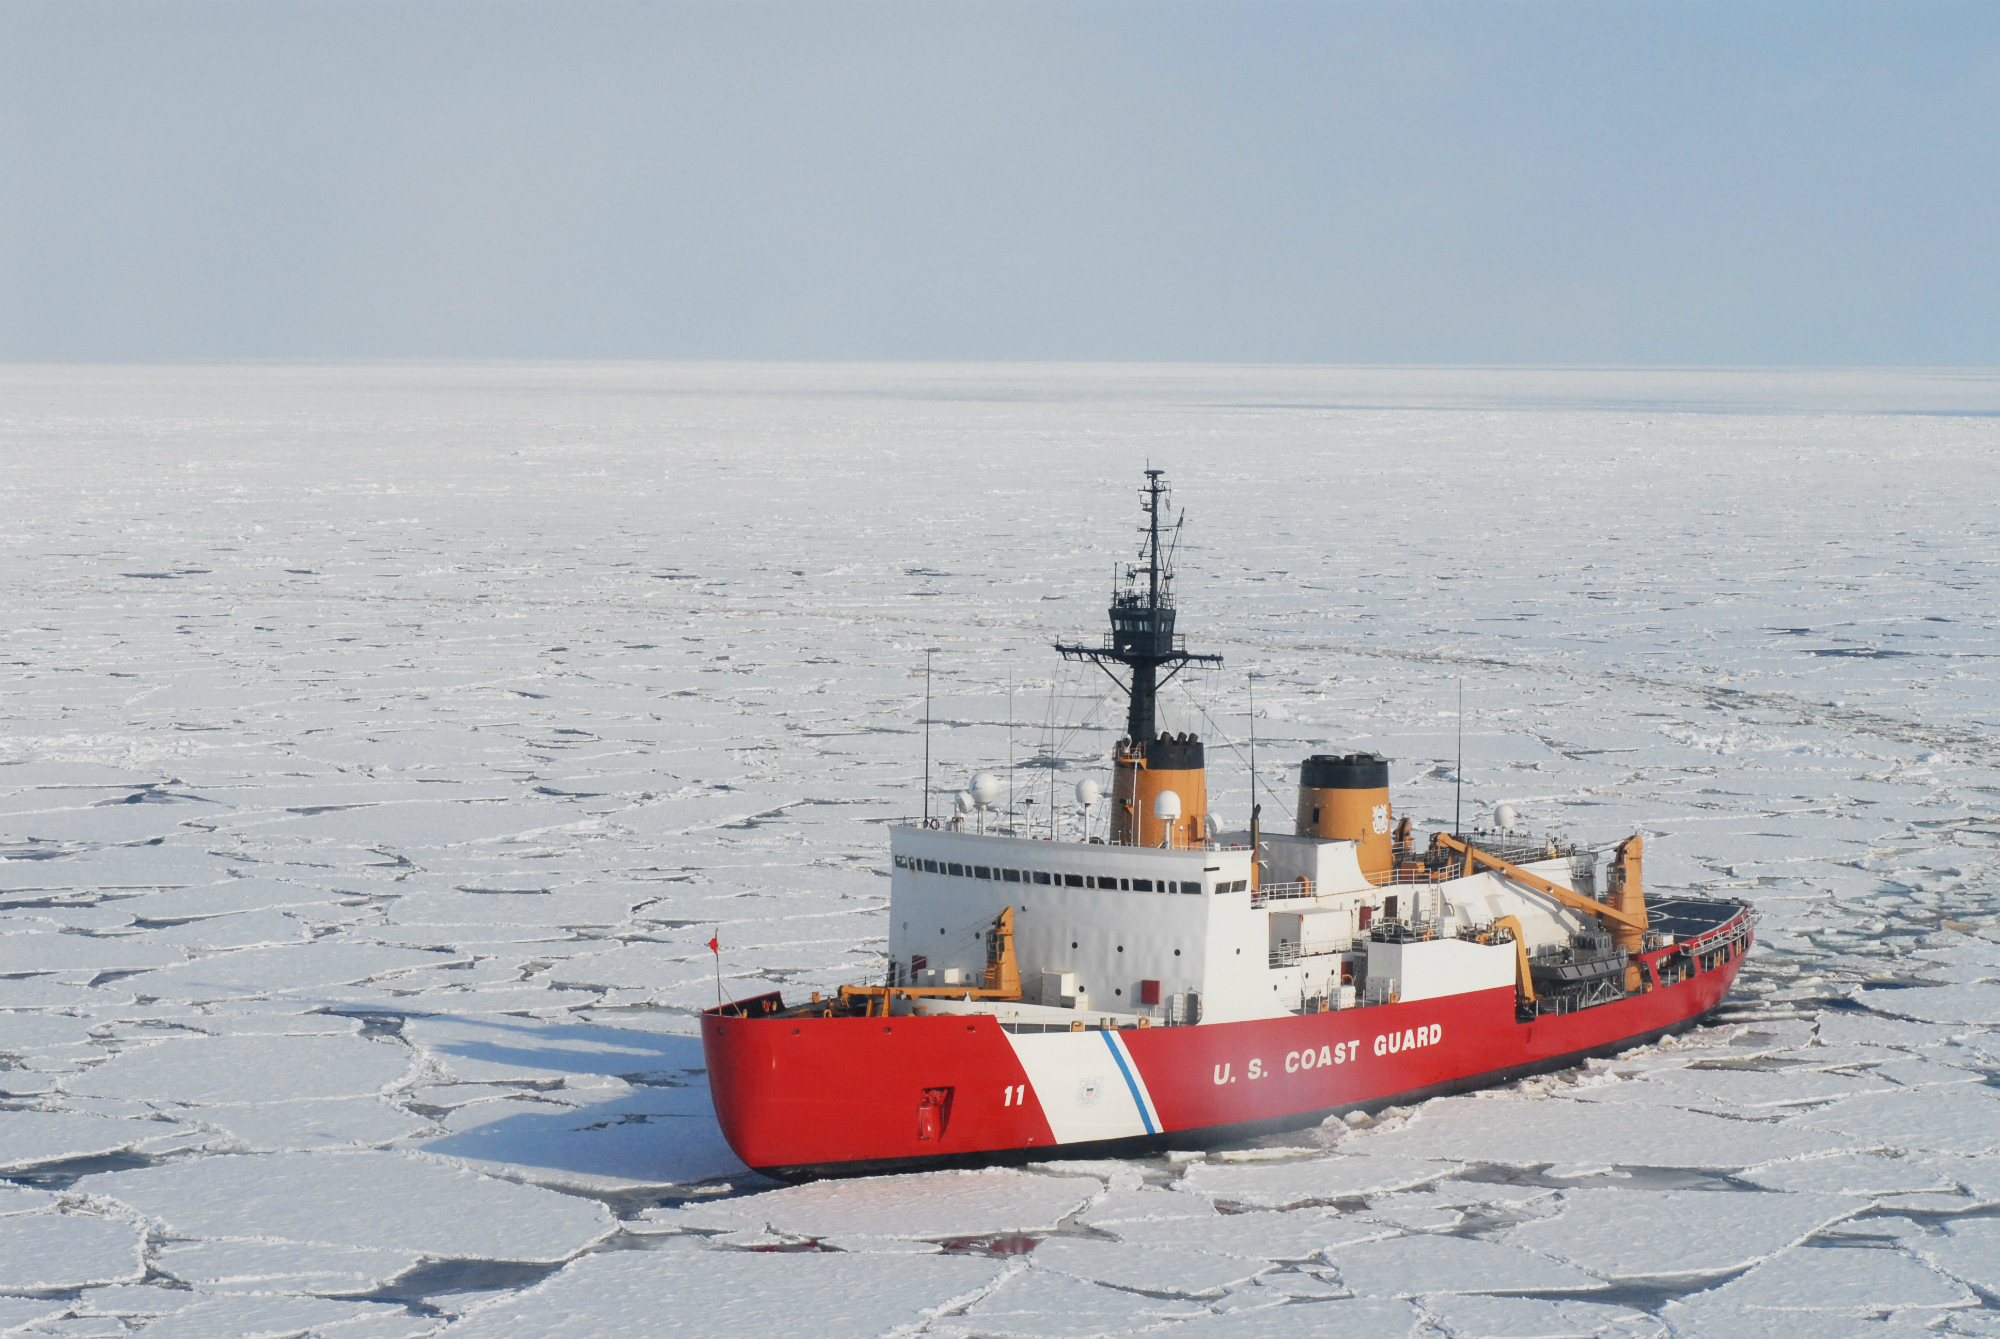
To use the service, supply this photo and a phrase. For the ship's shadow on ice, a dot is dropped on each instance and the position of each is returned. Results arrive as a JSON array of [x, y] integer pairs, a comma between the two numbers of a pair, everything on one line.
[[590, 1107]]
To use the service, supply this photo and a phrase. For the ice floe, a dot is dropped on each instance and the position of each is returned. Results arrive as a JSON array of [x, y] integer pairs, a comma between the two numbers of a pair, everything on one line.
[[1658, 1237]]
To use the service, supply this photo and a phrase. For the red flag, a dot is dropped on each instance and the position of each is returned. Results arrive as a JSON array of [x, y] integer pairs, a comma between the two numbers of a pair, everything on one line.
[[715, 948]]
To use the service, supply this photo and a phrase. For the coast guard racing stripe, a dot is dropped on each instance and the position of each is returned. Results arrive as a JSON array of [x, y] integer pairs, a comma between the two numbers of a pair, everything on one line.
[[1087, 1085]]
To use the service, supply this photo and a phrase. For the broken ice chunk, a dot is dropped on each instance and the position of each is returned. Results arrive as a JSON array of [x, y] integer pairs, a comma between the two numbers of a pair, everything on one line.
[[927, 1206], [1320, 1180], [377, 1200], [267, 1068], [826, 1296], [44, 1251], [1412, 1265], [1627, 1235]]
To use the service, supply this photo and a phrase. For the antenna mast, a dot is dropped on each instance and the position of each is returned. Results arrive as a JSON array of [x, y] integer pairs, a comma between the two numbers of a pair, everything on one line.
[[1458, 771], [1142, 624], [927, 738]]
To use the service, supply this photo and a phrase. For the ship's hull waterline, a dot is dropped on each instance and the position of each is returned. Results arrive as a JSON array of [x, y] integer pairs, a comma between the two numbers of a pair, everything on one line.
[[809, 1097]]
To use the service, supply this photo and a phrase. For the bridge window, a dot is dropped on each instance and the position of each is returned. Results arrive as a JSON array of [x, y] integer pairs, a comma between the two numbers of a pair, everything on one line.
[[930, 867], [1041, 876], [1011, 875], [1142, 885], [957, 871], [1072, 880], [981, 872]]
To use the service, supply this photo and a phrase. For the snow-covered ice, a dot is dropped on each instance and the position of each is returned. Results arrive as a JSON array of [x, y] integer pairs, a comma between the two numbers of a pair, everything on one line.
[[383, 744]]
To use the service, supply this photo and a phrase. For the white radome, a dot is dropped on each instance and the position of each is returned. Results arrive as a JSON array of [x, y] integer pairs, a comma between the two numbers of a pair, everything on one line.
[[985, 789], [1504, 816], [1088, 792], [963, 801], [1166, 805]]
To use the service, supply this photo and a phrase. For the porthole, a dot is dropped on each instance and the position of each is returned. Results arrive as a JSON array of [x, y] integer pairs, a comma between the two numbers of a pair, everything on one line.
[[1177, 953], [1072, 943], [1118, 991], [1121, 948]]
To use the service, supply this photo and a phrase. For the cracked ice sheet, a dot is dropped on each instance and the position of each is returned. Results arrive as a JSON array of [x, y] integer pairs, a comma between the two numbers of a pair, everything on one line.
[[268, 1317], [1964, 1120], [1467, 1316], [1317, 1180], [608, 1137], [1632, 1236], [928, 1206], [44, 1251], [1299, 1234], [1885, 1179], [1969, 1249], [685, 1290], [1178, 1271], [375, 1200], [266, 1266], [1505, 1129], [1042, 1304], [35, 1138], [252, 1068], [1855, 1280], [1408, 1266]]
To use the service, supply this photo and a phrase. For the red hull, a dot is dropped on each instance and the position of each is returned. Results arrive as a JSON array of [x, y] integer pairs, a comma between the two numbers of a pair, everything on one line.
[[831, 1096]]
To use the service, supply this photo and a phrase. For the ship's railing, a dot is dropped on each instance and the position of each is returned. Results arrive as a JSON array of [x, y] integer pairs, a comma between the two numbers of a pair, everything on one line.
[[1282, 892], [1040, 833], [1423, 867], [1288, 954]]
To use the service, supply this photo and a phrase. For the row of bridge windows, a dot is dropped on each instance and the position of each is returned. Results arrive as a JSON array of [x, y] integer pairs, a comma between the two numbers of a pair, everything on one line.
[[1052, 878]]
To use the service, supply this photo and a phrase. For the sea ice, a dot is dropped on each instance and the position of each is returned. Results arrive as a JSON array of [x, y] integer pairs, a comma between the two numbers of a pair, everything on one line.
[[288, 970], [1167, 1271], [1861, 1280], [929, 1206], [1321, 1180], [1043, 1304], [511, 686], [1974, 1003], [1862, 1174], [374, 1200], [1360, 1317], [266, 1068], [1299, 1234], [696, 1293], [1969, 1249], [1418, 1263], [35, 1138], [1472, 1316], [253, 1317], [40, 1252], [1963, 1119], [1632, 1236], [1549, 1130], [266, 1266], [284, 1127]]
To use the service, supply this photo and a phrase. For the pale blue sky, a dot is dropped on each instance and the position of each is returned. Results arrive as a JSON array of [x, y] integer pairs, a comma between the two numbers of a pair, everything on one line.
[[1514, 183]]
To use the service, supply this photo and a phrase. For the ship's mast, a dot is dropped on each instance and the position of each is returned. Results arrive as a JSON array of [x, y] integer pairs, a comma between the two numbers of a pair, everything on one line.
[[1142, 622]]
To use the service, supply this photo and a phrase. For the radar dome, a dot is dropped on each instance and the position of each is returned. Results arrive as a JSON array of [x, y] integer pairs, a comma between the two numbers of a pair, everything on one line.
[[1088, 792], [962, 802], [1504, 816], [1166, 805], [985, 789]]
